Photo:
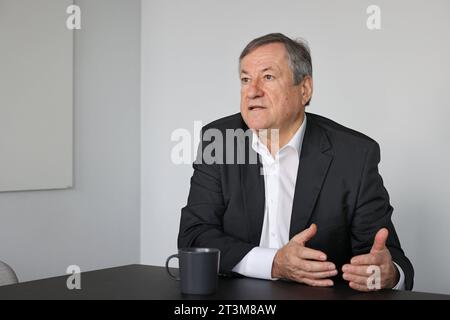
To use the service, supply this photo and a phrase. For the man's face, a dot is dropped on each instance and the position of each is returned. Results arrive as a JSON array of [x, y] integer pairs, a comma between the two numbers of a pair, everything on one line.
[[269, 99]]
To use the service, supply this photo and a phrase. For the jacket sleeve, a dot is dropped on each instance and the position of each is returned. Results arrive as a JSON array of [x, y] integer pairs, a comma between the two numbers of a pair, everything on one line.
[[201, 223], [373, 212]]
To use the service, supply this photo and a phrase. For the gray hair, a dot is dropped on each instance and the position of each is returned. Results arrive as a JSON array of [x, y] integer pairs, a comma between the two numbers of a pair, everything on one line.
[[297, 51]]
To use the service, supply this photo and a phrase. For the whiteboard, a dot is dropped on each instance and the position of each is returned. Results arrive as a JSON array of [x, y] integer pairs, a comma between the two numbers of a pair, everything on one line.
[[36, 95]]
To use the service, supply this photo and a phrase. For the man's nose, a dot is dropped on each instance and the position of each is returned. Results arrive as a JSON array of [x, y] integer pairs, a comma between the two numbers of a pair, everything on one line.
[[254, 90]]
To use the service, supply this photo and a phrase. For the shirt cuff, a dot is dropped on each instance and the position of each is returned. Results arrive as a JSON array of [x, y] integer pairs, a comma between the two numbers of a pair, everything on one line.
[[401, 281], [257, 263]]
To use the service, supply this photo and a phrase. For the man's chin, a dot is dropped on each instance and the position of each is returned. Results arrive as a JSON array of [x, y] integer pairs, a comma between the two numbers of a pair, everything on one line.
[[258, 127], [256, 124]]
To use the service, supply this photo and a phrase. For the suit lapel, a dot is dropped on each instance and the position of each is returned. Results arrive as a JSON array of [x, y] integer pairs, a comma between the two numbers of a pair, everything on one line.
[[314, 162]]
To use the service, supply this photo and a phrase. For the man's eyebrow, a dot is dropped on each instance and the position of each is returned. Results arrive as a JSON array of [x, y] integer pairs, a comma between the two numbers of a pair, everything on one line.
[[263, 70], [267, 69]]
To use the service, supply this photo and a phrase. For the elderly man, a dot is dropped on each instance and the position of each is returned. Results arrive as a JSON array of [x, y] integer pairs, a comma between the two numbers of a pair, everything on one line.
[[312, 209]]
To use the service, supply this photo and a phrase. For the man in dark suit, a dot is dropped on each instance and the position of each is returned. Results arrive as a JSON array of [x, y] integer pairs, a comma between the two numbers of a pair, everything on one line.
[[312, 208]]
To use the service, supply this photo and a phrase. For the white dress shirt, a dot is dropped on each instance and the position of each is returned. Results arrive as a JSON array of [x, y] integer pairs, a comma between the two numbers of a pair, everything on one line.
[[280, 175]]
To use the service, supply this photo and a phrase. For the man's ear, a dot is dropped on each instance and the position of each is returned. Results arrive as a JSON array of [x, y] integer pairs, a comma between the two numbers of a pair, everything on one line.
[[306, 89]]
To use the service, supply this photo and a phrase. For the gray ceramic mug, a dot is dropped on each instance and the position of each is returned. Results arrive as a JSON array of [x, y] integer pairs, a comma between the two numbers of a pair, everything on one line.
[[199, 269]]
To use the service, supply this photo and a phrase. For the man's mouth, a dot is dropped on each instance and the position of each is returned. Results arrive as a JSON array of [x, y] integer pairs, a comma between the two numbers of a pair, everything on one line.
[[252, 108]]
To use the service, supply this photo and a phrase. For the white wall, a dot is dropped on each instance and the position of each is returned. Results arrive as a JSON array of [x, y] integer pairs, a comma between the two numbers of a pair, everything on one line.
[[96, 223], [390, 84]]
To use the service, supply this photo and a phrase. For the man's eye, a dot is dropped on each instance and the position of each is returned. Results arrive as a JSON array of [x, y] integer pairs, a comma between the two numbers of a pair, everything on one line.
[[245, 80], [268, 77]]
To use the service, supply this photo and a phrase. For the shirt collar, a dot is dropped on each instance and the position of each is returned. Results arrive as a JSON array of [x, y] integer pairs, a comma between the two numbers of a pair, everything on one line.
[[296, 141]]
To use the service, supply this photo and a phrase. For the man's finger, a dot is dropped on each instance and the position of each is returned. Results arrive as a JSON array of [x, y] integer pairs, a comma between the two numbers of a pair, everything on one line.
[[311, 254], [360, 270], [368, 259], [305, 235], [379, 243], [318, 283], [355, 278], [359, 287], [316, 266], [320, 275]]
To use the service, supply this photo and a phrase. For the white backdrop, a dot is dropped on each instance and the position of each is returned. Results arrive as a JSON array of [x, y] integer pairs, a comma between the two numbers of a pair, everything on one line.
[[391, 84]]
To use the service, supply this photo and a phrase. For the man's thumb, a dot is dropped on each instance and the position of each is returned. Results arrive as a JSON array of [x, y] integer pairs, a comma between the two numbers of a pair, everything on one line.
[[306, 234], [380, 240]]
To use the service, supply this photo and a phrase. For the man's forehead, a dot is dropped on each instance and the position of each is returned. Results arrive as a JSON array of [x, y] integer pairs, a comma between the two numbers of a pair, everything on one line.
[[267, 57]]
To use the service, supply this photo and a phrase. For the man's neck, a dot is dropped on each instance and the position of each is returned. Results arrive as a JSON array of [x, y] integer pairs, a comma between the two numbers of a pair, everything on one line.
[[283, 135]]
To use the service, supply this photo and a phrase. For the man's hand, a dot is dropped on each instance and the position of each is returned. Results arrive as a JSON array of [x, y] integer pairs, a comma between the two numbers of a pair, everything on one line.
[[358, 272], [296, 262]]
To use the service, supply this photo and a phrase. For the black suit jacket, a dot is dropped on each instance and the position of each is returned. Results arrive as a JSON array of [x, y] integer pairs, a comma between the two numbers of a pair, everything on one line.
[[338, 188]]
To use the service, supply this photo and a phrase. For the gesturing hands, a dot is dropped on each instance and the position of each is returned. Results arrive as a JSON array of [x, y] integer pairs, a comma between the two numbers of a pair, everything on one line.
[[358, 272], [296, 262]]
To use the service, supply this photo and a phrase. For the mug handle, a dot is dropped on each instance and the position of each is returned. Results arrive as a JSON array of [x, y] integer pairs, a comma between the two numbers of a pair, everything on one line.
[[167, 266]]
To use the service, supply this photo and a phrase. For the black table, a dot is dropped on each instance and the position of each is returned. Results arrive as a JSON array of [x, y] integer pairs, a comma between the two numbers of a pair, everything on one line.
[[149, 282]]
